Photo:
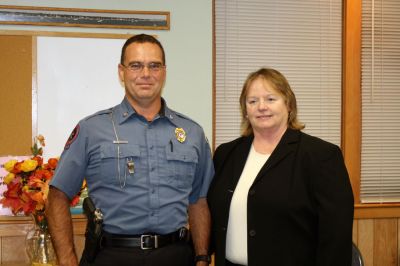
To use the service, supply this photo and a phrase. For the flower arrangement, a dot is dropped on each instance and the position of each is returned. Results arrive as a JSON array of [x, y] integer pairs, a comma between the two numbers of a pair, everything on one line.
[[28, 181]]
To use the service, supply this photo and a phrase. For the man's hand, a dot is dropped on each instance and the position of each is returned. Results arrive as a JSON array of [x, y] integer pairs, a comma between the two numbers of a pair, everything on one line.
[[200, 226]]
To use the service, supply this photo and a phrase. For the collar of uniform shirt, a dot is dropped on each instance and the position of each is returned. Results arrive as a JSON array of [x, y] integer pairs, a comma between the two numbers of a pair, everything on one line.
[[127, 110]]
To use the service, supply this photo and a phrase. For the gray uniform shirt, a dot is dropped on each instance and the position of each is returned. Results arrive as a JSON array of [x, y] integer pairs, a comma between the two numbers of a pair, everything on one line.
[[164, 165]]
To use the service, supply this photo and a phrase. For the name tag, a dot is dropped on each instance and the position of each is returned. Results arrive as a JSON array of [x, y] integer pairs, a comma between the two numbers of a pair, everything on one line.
[[120, 141]]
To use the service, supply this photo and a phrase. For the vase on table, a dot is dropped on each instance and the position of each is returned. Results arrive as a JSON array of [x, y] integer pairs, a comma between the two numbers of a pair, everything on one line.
[[38, 243]]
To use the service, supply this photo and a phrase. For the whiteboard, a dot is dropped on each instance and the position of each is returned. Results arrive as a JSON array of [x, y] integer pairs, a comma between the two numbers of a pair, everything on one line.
[[76, 77]]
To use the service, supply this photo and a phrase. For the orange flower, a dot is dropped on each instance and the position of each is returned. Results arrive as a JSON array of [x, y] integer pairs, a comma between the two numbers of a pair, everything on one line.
[[39, 160], [52, 163], [17, 168]]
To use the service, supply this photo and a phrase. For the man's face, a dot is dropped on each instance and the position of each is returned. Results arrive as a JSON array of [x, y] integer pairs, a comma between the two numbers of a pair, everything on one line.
[[143, 86]]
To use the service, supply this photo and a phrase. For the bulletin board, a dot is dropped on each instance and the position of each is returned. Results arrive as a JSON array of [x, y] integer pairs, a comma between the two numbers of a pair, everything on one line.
[[15, 95]]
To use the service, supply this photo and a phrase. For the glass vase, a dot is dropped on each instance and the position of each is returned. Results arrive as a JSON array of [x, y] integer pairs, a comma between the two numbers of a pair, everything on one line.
[[38, 243]]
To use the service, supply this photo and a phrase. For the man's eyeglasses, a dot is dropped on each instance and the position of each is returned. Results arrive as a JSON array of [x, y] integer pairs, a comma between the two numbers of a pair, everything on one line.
[[138, 67]]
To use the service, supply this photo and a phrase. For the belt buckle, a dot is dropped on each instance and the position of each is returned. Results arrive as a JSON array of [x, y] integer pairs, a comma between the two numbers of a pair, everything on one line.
[[142, 241]]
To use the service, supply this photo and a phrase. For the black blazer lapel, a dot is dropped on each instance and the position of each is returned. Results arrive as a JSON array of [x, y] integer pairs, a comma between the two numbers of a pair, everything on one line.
[[241, 153], [285, 147]]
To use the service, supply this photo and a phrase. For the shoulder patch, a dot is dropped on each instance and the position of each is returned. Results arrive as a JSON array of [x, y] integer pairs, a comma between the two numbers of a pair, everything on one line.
[[72, 137]]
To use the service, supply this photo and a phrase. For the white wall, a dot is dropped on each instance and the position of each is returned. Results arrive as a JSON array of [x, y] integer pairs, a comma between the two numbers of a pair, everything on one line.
[[188, 47]]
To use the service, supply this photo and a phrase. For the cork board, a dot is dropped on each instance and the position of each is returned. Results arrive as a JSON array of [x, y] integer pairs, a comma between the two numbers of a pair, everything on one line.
[[15, 95]]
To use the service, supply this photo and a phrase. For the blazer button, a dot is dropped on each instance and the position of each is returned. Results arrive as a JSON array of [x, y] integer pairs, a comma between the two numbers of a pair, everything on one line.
[[252, 192], [223, 229], [252, 232]]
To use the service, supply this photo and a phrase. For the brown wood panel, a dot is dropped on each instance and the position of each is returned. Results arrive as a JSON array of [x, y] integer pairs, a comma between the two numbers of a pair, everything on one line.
[[12, 238], [355, 232], [351, 96], [15, 95], [365, 241], [14, 226], [13, 250], [398, 241], [385, 242], [79, 241]]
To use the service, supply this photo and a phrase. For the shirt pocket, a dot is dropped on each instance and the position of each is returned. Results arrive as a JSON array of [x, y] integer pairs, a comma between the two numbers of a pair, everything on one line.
[[110, 172], [182, 161]]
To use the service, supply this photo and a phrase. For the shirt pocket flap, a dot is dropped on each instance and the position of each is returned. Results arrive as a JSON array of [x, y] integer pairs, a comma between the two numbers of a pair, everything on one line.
[[183, 155], [125, 150]]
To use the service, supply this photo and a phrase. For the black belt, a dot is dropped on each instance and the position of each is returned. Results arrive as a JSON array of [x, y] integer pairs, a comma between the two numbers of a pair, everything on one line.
[[145, 241]]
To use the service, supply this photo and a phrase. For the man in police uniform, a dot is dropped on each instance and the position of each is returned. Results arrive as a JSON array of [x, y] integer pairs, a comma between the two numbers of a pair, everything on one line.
[[148, 169]]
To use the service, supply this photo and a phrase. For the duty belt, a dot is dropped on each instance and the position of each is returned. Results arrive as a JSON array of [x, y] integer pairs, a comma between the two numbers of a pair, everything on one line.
[[145, 241]]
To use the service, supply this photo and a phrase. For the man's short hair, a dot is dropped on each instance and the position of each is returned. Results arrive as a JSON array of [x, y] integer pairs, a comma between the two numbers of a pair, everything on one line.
[[142, 38]]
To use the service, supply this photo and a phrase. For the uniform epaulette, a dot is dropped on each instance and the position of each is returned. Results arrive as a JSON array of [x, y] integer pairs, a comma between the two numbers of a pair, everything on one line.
[[186, 117], [102, 112]]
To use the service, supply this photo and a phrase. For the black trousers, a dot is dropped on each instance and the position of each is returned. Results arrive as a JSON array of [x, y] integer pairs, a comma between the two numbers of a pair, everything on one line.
[[176, 254]]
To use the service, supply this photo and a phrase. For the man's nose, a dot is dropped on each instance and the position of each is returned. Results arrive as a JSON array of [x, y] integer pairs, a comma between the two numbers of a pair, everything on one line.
[[145, 71]]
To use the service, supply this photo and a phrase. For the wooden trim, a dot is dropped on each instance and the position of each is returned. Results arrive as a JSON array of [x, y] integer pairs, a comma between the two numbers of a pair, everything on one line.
[[369, 211], [351, 97], [19, 225]]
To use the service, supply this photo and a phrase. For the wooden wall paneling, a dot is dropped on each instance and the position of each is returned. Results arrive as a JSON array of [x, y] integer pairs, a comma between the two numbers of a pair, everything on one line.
[[12, 234], [79, 241], [79, 222], [355, 232], [12, 238], [365, 241], [13, 250], [385, 242]]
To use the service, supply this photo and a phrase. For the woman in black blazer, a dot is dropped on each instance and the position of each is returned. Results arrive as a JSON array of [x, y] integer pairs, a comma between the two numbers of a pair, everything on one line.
[[279, 196]]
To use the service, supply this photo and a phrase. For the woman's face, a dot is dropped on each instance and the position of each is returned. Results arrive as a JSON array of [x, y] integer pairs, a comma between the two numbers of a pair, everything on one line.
[[266, 108]]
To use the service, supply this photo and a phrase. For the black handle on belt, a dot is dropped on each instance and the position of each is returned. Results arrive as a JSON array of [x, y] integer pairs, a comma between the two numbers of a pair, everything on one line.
[[94, 230]]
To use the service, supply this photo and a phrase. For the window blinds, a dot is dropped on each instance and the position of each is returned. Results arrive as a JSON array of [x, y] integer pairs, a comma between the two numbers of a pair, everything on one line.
[[301, 39], [380, 149]]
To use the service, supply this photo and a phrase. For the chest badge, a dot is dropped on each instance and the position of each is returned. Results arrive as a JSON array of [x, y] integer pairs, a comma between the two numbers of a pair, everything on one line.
[[180, 134]]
